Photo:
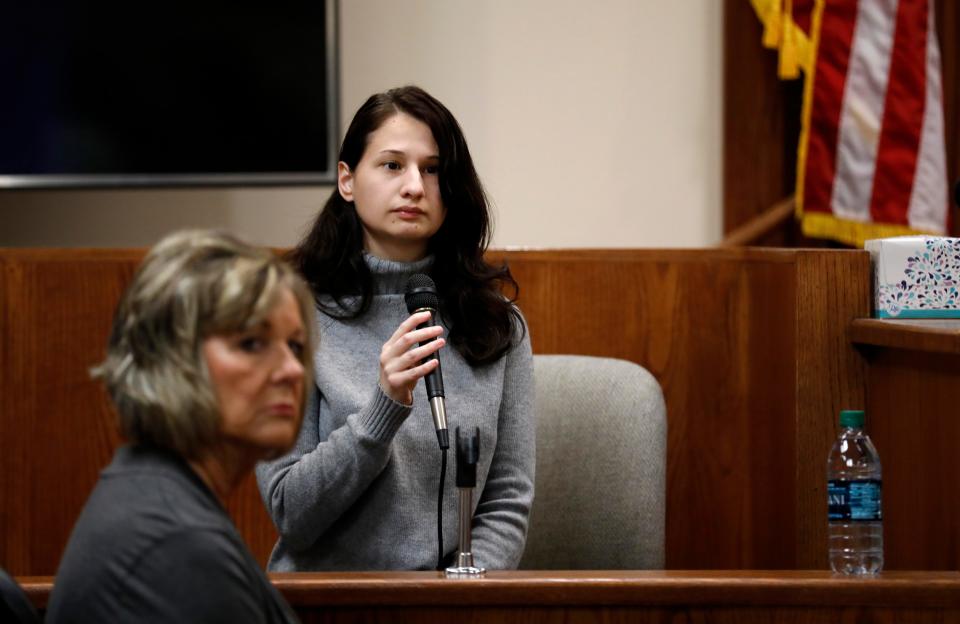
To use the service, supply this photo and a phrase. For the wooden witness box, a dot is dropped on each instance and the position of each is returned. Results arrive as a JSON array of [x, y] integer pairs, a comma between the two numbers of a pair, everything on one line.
[[751, 346]]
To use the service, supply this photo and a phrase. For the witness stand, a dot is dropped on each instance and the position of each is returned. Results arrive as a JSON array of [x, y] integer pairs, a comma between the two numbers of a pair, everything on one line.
[[752, 347]]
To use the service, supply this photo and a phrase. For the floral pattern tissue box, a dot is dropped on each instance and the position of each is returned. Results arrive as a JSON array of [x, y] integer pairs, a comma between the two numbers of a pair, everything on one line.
[[915, 276]]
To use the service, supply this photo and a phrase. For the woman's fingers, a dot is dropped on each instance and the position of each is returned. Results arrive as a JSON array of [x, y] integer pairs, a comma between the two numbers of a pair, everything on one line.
[[418, 335], [418, 353], [411, 358], [409, 324], [405, 379], [396, 347], [402, 358]]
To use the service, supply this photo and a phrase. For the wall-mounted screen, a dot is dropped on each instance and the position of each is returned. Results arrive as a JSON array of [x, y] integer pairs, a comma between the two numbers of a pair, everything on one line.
[[116, 93]]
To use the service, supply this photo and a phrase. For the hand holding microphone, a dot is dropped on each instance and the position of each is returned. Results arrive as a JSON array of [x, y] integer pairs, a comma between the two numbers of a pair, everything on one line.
[[421, 296], [400, 365]]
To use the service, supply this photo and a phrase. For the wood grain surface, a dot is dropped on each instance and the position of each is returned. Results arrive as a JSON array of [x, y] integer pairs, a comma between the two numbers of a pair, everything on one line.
[[932, 335], [748, 345], [912, 407], [610, 596], [913, 404], [832, 293], [761, 123], [56, 424]]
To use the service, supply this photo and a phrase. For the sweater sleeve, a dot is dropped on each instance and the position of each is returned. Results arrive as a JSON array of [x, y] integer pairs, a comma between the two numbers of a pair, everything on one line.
[[500, 521], [308, 489]]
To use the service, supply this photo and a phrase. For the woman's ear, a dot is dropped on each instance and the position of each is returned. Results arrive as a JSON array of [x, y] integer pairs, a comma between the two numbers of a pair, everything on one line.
[[345, 181]]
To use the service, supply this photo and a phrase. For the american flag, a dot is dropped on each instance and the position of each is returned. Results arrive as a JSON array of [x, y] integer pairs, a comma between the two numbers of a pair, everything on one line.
[[872, 156]]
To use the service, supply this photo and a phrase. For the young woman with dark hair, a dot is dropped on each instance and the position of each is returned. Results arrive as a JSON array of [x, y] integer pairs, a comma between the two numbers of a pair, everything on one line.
[[359, 489]]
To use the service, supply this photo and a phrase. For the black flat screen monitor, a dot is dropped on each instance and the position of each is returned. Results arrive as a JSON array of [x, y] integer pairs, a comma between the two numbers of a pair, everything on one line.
[[111, 93]]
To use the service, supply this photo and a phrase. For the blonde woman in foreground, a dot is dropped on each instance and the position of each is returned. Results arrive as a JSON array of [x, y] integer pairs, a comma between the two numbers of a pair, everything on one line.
[[205, 365]]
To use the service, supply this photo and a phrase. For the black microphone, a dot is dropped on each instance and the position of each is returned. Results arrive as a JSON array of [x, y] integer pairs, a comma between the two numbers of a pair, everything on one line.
[[420, 296]]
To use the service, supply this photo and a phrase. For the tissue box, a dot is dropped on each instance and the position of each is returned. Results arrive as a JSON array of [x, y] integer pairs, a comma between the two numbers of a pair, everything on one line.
[[915, 276]]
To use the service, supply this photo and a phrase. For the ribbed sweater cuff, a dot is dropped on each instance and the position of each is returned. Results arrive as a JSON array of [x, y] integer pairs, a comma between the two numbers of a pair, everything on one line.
[[382, 417]]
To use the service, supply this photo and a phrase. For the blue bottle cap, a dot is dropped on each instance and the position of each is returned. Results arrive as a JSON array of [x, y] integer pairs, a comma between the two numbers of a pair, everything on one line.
[[851, 418]]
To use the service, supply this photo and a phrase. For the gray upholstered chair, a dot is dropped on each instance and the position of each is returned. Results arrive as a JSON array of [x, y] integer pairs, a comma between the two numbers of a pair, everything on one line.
[[600, 495]]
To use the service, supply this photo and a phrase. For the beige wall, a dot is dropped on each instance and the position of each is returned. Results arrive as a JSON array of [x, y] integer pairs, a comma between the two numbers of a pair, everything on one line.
[[592, 125]]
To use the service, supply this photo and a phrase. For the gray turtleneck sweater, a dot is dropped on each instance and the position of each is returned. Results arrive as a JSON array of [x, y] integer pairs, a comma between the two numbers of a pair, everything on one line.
[[359, 489]]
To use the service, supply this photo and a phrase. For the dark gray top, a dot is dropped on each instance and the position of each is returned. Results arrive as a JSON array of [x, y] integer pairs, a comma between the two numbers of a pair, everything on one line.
[[153, 544]]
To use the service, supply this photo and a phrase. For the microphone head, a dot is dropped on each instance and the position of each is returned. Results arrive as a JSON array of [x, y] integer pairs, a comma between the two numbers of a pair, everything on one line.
[[421, 293]]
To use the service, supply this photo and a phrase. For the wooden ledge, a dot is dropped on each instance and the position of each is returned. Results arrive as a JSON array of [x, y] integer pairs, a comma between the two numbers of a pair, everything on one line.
[[668, 588], [591, 588], [931, 335], [623, 588]]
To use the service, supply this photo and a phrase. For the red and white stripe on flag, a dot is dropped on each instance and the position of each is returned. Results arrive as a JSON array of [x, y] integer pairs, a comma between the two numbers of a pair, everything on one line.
[[872, 158]]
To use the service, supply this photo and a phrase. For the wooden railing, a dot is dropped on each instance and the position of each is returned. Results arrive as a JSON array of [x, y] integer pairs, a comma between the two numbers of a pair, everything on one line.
[[745, 597], [760, 226]]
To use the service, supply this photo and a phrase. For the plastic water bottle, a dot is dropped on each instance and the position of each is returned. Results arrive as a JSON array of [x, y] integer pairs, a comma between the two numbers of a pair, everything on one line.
[[853, 500]]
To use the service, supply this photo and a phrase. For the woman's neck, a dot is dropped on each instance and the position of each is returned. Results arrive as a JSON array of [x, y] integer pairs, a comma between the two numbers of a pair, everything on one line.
[[221, 469], [390, 277], [395, 251]]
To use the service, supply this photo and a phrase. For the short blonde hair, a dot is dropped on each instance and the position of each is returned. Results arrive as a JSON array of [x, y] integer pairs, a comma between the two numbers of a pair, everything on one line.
[[191, 285]]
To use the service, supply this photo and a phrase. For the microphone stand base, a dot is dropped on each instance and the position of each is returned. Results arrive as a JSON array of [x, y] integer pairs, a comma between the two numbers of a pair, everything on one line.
[[465, 572]]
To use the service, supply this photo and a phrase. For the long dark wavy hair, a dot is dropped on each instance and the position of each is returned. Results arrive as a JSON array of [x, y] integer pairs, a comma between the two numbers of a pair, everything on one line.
[[481, 318]]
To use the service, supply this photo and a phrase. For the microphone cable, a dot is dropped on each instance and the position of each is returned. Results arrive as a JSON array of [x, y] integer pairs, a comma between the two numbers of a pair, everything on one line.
[[443, 476]]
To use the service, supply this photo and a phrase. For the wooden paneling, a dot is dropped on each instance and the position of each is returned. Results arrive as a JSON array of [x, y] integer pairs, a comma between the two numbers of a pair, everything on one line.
[[830, 377], [57, 424], [912, 409], [747, 344], [948, 30], [57, 427], [613, 597], [750, 347], [707, 326], [761, 125]]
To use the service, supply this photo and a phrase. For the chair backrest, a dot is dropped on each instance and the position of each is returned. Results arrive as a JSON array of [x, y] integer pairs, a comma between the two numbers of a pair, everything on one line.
[[15, 607], [600, 499]]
